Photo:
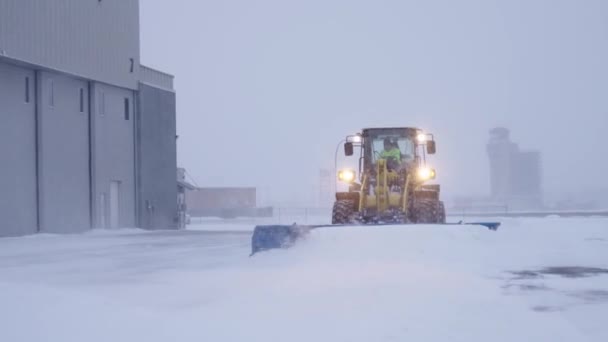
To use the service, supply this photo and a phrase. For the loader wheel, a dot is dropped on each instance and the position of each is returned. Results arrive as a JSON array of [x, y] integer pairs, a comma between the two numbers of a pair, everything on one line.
[[428, 211], [342, 212]]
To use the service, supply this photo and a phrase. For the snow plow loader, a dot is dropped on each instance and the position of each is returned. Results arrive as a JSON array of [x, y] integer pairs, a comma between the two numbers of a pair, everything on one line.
[[390, 188]]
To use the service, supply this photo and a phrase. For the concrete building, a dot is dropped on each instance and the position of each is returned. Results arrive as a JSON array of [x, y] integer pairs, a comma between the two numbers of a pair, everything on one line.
[[515, 175], [227, 202], [87, 133]]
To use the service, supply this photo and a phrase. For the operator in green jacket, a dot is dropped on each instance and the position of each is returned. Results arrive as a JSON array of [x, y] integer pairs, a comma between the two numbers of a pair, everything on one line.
[[391, 152]]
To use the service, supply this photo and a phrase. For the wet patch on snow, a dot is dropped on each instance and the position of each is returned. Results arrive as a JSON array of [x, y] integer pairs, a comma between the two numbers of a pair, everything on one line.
[[545, 308], [531, 287], [527, 287], [563, 271], [574, 271], [596, 239], [521, 275], [592, 296], [572, 286]]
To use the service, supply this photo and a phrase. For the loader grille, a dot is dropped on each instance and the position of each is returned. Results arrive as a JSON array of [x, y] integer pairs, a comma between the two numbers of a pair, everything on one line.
[[426, 194]]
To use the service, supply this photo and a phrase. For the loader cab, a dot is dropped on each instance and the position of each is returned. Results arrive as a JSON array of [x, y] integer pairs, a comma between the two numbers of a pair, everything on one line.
[[413, 145], [405, 139], [381, 143], [377, 143]]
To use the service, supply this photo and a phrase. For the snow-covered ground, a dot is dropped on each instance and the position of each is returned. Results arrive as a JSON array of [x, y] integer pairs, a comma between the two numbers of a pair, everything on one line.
[[532, 280]]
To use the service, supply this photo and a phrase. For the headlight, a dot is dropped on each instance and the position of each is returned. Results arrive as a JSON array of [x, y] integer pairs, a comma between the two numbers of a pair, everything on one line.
[[356, 139], [347, 176], [421, 138], [425, 173]]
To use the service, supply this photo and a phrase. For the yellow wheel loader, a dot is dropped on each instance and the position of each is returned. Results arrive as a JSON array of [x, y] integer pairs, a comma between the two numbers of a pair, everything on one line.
[[391, 186]]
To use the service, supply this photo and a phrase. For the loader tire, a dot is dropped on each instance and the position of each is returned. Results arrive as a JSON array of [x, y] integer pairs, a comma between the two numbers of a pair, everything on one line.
[[428, 211], [342, 212]]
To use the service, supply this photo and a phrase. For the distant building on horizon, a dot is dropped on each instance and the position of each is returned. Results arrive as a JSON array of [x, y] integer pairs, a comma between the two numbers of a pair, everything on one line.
[[225, 202], [515, 175]]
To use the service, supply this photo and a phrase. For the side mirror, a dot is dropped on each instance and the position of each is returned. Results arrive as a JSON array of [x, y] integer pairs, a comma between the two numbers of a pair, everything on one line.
[[430, 147], [349, 149]]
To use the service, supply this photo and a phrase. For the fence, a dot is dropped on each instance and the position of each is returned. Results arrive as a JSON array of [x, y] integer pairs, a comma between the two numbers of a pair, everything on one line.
[[323, 216], [280, 216]]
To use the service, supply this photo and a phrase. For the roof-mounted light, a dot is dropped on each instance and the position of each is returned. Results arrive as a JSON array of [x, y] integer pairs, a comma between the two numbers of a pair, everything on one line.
[[355, 139]]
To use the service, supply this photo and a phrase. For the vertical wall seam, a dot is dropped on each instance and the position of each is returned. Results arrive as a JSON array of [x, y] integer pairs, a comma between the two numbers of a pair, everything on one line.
[[137, 155], [39, 94], [90, 128], [135, 187], [37, 147]]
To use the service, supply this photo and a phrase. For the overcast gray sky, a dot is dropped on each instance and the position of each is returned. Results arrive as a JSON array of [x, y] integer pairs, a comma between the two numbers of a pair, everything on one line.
[[267, 88]]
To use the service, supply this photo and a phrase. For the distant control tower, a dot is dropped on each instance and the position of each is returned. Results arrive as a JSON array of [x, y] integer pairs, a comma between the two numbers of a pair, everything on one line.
[[515, 175]]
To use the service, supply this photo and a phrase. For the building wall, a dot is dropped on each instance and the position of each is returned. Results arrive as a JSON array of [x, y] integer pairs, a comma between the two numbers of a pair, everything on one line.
[[224, 202], [526, 175], [70, 156], [58, 164], [155, 78], [156, 158], [515, 175], [63, 147], [221, 198], [113, 153], [501, 155], [89, 38], [18, 210]]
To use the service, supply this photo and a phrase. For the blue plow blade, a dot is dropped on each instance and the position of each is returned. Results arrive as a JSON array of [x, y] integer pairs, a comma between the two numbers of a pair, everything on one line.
[[283, 236]]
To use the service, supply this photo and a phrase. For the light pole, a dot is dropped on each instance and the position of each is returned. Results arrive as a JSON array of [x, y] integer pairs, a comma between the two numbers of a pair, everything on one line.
[[336, 164], [357, 139]]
